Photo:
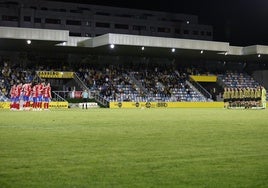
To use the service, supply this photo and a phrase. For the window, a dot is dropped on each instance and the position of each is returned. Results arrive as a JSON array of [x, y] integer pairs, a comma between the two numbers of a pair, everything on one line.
[[139, 27], [152, 29], [76, 11], [55, 10], [73, 22], [186, 32], [27, 18], [163, 30], [43, 8], [83, 8], [176, 20], [195, 32], [75, 34], [120, 26], [103, 13], [143, 17], [53, 21], [101, 24], [10, 18], [37, 20], [124, 15], [177, 31], [88, 23], [209, 33], [162, 19], [202, 33]]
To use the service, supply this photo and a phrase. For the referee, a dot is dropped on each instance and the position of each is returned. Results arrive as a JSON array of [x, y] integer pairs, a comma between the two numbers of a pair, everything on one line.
[[85, 99]]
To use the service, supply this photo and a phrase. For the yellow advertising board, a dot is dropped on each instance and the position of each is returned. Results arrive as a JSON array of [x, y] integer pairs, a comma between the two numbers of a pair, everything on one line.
[[4, 105], [166, 105], [55, 74], [204, 78], [58, 104]]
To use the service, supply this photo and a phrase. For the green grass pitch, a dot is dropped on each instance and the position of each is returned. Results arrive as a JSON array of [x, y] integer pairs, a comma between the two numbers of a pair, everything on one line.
[[134, 148]]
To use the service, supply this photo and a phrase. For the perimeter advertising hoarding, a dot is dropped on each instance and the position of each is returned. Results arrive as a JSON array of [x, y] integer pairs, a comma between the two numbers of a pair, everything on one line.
[[52, 105], [166, 105]]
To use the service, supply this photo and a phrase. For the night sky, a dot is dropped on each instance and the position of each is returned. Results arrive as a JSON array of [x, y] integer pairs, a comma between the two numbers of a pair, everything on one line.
[[240, 22]]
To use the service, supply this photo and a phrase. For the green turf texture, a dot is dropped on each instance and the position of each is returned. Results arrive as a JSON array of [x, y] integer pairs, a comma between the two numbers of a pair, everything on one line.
[[210, 148]]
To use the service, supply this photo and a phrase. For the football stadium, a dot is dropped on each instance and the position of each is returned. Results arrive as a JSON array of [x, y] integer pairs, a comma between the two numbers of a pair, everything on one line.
[[98, 96]]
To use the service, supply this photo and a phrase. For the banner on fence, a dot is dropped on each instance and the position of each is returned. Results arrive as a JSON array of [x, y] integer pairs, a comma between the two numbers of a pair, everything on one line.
[[55, 74]]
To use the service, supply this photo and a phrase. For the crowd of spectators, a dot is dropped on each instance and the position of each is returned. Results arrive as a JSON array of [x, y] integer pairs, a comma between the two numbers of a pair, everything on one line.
[[237, 80], [138, 84]]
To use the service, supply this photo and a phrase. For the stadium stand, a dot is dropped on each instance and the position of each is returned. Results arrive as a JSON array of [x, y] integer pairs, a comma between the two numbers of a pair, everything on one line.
[[130, 83], [237, 80], [115, 84]]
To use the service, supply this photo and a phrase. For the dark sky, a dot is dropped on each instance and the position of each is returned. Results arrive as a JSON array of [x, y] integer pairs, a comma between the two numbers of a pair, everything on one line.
[[240, 22]]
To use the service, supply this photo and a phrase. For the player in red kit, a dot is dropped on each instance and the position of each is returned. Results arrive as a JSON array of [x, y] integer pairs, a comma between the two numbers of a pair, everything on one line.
[[46, 95], [18, 91], [34, 96], [39, 91], [12, 97], [27, 90]]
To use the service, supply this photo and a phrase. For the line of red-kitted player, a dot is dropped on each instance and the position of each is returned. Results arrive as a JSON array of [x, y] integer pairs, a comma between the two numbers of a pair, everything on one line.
[[30, 96]]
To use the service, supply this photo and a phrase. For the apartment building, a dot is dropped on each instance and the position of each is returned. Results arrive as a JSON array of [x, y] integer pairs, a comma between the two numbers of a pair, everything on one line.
[[86, 20]]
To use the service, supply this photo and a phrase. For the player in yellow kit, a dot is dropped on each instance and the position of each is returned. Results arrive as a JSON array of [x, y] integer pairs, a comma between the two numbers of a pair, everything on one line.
[[263, 97]]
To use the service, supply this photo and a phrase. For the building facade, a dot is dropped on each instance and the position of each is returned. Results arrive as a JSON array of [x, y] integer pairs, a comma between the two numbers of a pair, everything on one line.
[[85, 20]]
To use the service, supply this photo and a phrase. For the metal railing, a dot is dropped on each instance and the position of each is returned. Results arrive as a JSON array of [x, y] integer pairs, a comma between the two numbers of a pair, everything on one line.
[[96, 95], [59, 95], [201, 89], [80, 82], [100, 99]]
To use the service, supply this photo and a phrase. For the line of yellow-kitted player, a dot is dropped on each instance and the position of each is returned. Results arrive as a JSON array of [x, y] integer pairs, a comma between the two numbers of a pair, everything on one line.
[[245, 97]]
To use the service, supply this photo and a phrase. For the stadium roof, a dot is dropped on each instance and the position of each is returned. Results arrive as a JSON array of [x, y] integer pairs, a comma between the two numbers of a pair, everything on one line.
[[13, 38]]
